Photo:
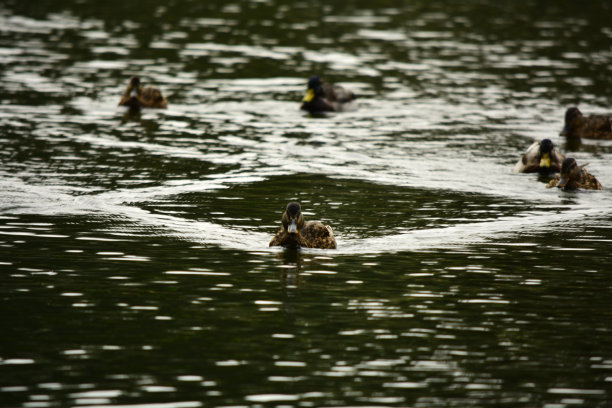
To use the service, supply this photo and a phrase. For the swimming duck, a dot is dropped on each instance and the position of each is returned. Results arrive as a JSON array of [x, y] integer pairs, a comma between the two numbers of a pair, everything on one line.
[[322, 97], [137, 97], [540, 157], [296, 233], [573, 176], [589, 127]]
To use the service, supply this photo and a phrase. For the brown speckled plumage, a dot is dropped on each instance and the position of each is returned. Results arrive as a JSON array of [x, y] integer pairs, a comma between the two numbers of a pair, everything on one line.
[[136, 96], [323, 97], [295, 232], [573, 176], [588, 127]]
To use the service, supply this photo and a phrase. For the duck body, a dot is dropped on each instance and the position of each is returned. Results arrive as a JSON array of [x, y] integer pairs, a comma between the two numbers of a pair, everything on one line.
[[295, 232], [542, 157], [322, 97], [588, 127], [136, 96], [573, 177]]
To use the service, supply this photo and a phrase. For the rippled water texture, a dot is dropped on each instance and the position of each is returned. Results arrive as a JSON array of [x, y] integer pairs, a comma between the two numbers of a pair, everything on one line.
[[134, 263]]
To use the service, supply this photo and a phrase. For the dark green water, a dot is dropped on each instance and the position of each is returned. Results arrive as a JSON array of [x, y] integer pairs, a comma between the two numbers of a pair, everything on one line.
[[134, 266]]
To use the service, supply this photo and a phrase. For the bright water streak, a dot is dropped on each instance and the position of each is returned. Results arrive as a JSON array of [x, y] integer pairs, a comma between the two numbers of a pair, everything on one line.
[[135, 265]]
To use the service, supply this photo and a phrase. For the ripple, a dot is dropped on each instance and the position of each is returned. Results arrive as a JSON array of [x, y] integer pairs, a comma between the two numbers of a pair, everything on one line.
[[451, 272], [178, 404], [16, 361], [271, 397]]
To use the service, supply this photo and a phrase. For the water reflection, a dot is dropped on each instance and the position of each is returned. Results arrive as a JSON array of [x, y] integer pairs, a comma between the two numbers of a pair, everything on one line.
[[291, 269], [136, 261]]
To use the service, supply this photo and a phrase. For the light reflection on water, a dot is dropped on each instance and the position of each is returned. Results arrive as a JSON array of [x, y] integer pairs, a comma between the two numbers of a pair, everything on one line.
[[136, 270]]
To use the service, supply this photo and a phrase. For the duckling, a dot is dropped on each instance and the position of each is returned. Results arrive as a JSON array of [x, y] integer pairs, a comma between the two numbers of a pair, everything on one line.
[[573, 176], [296, 233], [322, 97], [540, 157], [589, 127], [137, 97]]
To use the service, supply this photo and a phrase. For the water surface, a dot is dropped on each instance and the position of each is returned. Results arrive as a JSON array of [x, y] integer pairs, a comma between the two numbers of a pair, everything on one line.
[[135, 267]]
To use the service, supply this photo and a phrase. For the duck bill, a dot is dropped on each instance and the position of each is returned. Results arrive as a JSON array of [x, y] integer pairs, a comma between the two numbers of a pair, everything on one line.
[[562, 182], [292, 228], [545, 161], [310, 94], [565, 131]]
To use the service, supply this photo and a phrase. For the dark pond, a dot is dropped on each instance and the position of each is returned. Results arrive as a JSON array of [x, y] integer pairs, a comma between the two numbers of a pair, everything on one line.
[[134, 262]]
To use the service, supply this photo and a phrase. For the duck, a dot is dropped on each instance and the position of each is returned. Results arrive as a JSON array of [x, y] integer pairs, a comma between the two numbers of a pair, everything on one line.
[[573, 176], [297, 233], [589, 127], [542, 157], [323, 97], [136, 96]]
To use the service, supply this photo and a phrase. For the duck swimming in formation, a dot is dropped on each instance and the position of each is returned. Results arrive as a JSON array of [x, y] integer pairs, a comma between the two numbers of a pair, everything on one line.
[[540, 157], [136, 96], [321, 97], [297, 233], [588, 127], [573, 176]]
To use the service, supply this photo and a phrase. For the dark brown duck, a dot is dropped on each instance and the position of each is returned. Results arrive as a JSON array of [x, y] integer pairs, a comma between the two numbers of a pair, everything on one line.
[[136, 96], [542, 157], [322, 97], [297, 233], [588, 127], [573, 176]]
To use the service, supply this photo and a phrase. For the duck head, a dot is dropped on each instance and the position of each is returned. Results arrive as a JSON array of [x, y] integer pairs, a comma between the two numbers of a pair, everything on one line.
[[546, 148], [293, 221], [315, 88], [573, 121], [570, 174], [133, 87]]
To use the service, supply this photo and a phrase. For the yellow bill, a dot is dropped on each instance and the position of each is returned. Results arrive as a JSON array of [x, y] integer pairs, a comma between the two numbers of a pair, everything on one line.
[[309, 96], [545, 160]]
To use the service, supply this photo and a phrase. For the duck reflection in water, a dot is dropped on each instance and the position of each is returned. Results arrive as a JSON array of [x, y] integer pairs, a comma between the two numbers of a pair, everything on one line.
[[588, 127], [150, 125], [542, 157], [573, 176], [292, 265], [136, 96], [323, 97], [295, 232]]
